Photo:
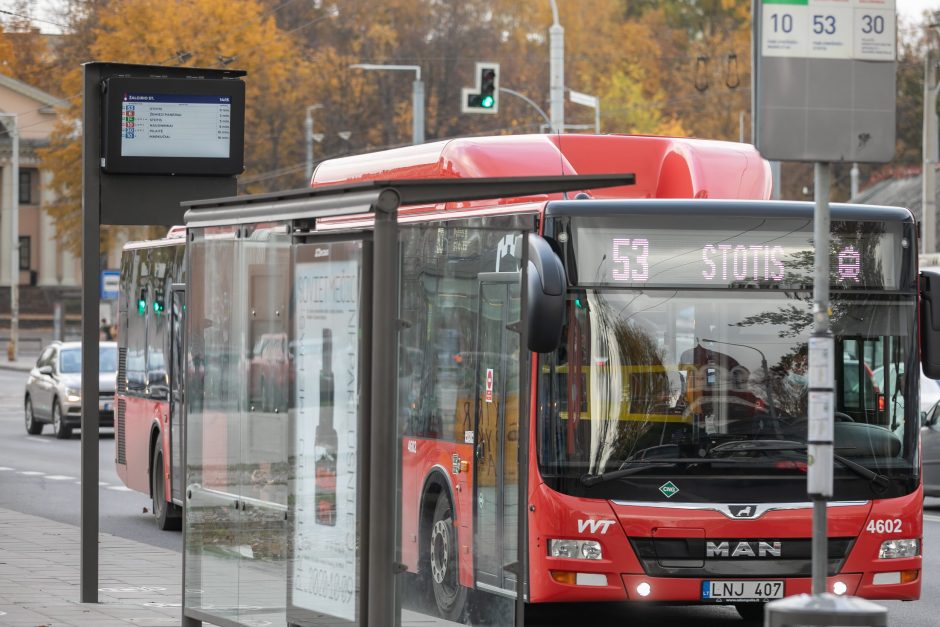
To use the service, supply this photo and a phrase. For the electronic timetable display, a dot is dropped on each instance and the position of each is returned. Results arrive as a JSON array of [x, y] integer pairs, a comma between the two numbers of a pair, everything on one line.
[[694, 251], [174, 126]]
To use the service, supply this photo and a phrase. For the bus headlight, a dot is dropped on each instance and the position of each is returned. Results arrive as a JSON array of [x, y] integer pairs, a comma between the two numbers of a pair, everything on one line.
[[891, 549], [73, 396], [575, 549]]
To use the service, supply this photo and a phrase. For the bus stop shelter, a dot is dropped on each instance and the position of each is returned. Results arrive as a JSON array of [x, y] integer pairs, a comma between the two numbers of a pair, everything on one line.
[[293, 370]]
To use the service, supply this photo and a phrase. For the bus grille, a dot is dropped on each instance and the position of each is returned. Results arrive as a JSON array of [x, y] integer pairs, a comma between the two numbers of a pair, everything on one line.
[[119, 448], [122, 371]]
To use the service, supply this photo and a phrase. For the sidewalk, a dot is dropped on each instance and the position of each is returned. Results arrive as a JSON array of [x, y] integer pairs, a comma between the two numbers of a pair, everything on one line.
[[39, 578], [20, 365]]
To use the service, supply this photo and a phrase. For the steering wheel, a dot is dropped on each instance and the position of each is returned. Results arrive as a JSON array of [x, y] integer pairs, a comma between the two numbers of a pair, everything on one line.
[[840, 417]]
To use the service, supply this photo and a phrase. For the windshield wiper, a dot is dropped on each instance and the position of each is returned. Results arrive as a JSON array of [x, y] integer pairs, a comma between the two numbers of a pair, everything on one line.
[[653, 462], [764, 445]]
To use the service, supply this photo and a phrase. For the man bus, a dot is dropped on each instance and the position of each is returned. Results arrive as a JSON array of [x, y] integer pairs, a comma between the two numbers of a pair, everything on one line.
[[667, 429]]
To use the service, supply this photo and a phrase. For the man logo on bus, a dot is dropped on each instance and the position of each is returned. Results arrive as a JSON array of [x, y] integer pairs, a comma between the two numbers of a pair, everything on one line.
[[742, 511]]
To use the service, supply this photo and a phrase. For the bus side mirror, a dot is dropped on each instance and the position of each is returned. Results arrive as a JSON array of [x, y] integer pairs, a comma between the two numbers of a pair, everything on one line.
[[545, 295], [930, 323]]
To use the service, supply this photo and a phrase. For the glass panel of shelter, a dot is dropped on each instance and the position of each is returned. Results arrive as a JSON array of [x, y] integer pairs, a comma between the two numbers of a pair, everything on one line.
[[216, 404], [328, 351], [458, 403]]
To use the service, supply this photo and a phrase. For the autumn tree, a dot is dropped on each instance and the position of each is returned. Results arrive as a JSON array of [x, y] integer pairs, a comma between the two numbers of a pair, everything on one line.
[[195, 33]]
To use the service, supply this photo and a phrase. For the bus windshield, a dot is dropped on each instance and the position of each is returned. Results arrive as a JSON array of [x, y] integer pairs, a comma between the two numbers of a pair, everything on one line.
[[684, 374]]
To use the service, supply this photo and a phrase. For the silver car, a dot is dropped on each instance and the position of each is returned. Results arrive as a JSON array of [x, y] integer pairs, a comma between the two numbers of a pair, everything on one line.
[[53, 391]]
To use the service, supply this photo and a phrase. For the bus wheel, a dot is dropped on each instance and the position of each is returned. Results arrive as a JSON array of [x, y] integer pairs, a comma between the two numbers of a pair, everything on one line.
[[751, 612], [449, 595], [167, 514]]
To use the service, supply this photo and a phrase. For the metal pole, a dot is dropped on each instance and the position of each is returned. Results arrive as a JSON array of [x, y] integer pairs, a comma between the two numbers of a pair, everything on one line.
[[417, 111], [928, 177], [597, 116], [14, 233], [88, 564], [529, 101], [819, 438], [556, 55], [776, 180], [383, 492], [308, 133], [853, 178]]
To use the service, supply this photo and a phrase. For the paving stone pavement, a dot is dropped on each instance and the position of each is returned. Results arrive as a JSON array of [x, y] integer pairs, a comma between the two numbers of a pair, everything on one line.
[[39, 578]]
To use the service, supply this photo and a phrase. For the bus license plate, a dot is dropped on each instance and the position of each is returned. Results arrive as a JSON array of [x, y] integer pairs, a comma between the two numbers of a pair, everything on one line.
[[748, 590]]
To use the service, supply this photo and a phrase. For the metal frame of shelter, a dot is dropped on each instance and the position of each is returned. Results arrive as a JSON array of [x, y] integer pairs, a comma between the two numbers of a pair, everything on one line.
[[301, 209], [110, 198]]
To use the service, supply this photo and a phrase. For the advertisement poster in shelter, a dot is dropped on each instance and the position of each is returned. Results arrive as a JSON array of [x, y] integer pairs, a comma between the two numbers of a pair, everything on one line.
[[324, 562]]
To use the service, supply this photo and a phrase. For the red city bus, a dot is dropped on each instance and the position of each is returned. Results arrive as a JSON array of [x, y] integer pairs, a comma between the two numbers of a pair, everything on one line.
[[667, 432], [666, 445], [148, 424]]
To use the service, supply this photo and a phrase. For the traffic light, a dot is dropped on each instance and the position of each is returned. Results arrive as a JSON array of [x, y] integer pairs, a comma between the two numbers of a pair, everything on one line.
[[484, 98]]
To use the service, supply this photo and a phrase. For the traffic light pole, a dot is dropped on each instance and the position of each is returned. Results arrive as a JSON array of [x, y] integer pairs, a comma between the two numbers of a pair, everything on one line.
[[14, 232], [417, 95], [556, 57]]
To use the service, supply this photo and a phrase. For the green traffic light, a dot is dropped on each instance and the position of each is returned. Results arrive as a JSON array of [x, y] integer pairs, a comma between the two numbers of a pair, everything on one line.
[[141, 306], [487, 102]]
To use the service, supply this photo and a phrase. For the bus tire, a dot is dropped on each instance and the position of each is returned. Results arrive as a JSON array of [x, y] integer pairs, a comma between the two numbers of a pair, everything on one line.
[[449, 596], [752, 613], [33, 426], [166, 513], [59, 428]]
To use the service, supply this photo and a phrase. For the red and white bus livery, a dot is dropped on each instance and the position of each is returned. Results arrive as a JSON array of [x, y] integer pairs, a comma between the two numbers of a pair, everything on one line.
[[664, 437]]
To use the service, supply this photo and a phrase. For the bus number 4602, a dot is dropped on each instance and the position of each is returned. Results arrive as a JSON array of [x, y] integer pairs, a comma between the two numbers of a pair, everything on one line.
[[884, 526]]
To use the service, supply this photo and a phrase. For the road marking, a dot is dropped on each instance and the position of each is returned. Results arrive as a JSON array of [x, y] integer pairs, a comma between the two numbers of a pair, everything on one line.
[[30, 473], [120, 488], [60, 477], [2, 468], [931, 518]]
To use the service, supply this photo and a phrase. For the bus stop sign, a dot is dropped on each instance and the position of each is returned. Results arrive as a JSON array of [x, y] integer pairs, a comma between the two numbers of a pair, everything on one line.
[[824, 87]]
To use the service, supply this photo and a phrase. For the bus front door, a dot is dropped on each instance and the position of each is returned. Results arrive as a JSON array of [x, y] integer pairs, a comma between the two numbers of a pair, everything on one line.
[[496, 438]]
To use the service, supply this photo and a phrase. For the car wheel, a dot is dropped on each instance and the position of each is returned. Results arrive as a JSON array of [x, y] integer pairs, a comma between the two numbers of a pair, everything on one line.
[[449, 596], [61, 430], [33, 426], [751, 612], [167, 514]]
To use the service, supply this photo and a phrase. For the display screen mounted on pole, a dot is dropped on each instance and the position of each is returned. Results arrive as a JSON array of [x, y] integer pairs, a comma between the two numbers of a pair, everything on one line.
[[174, 126], [825, 80]]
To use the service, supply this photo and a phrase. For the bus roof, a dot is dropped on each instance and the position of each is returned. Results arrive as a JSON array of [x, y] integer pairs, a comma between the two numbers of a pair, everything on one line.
[[665, 167]]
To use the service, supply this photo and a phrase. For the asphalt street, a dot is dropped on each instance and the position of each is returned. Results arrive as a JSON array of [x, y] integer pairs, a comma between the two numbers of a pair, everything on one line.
[[40, 475]]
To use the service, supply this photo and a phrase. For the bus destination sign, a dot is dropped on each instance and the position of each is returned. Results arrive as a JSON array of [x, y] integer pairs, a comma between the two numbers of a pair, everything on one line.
[[769, 257]]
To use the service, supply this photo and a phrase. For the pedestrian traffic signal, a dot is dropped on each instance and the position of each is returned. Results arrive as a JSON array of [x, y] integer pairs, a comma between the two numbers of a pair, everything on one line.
[[484, 98]]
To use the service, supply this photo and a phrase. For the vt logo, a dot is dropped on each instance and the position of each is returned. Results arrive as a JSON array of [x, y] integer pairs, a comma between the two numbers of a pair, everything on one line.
[[595, 526]]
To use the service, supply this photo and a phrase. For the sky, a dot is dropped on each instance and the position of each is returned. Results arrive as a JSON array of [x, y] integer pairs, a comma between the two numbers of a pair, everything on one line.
[[909, 10]]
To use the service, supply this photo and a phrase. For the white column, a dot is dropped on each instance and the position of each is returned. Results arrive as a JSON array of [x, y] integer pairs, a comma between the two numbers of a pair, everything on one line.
[[48, 256], [5, 214]]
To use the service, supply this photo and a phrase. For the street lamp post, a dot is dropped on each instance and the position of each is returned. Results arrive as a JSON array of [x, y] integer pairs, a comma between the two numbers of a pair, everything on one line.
[[308, 132], [417, 95], [929, 152], [10, 124], [556, 57]]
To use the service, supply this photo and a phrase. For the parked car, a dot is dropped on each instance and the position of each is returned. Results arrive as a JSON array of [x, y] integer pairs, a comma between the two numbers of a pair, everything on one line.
[[53, 390]]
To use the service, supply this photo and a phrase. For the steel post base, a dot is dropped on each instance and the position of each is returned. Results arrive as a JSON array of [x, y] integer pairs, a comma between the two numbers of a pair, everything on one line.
[[825, 609]]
